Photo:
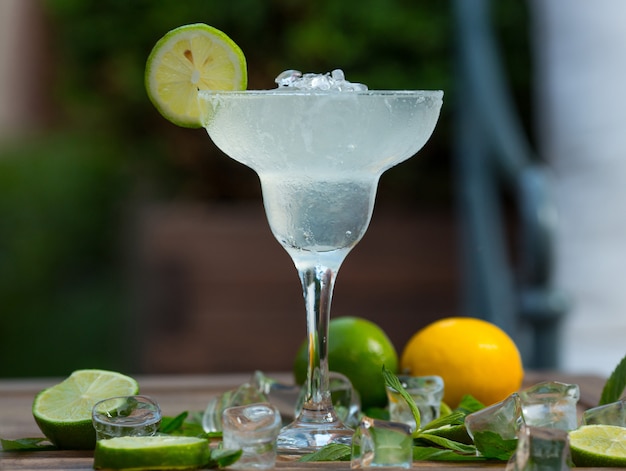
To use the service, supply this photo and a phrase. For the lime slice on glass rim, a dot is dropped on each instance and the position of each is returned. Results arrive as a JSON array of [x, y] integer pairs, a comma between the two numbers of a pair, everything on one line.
[[158, 452], [187, 59], [598, 446], [63, 411]]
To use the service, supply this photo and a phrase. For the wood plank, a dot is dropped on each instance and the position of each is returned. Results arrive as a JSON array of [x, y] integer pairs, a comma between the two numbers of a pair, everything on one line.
[[176, 393]]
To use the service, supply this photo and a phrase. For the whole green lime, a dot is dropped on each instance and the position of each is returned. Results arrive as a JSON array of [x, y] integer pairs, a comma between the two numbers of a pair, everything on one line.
[[357, 348]]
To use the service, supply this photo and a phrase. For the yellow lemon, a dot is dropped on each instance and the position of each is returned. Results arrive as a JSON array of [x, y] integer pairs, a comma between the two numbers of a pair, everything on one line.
[[472, 356]]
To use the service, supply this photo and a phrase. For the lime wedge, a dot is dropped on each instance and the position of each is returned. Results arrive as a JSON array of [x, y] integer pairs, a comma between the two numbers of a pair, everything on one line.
[[598, 446], [63, 411], [158, 452], [187, 59]]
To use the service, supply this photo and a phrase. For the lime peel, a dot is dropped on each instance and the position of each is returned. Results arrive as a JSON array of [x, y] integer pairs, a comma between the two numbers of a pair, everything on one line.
[[156, 452], [187, 59]]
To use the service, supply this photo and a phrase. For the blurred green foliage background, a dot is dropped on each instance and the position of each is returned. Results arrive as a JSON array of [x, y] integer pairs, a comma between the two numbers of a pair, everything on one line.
[[67, 194]]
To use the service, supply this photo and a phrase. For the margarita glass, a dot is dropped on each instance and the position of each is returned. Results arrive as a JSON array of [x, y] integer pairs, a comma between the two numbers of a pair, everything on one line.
[[319, 155]]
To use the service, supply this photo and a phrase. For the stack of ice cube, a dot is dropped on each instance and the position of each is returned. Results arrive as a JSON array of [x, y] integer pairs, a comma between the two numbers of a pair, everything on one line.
[[333, 81]]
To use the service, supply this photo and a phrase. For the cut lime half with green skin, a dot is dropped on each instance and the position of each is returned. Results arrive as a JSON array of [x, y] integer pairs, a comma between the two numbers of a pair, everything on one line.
[[158, 452], [598, 446], [63, 411], [187, 59]]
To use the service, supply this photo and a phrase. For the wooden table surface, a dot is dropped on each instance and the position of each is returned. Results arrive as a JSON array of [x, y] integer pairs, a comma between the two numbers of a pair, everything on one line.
[[176, 394]]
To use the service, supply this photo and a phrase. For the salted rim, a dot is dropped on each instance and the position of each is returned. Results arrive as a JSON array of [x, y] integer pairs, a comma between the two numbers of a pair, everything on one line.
[[287, 91]]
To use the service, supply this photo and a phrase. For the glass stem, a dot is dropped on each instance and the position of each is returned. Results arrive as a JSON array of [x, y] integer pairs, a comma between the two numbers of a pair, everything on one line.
[[317, 284]]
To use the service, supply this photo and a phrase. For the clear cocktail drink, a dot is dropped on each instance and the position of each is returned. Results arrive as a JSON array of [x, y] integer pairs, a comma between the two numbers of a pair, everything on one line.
[[319, 156]]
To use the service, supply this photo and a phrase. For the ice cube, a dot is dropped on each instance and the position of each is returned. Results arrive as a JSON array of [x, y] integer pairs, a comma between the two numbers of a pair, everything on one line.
[[380, 443], [286, 78], [541, 449], [607, 414], [503, 418], [426, 391], [551, 404], [283, 396], [253, 429], [245, 394], [338, 75]]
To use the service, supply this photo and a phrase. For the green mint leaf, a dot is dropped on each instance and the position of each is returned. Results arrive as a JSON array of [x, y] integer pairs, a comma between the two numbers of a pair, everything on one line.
[[221, 458], [331, 452], [195, 418], [448, 444], [455, 418], [190, 430], [26, 444], [172, 424], [615, 385], [469, 404], [423, 453], [492, 445], [181, 425], [393, 382]]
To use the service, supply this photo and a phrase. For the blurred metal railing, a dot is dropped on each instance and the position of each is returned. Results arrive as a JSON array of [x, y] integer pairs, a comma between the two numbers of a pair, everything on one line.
[[493, 158]]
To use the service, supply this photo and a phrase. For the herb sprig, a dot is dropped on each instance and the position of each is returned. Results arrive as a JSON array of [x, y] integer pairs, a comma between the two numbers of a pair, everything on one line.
[[615, 386]]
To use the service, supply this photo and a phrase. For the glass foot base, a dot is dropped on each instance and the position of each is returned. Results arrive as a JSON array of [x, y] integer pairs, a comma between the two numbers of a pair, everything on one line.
[[302, 438]]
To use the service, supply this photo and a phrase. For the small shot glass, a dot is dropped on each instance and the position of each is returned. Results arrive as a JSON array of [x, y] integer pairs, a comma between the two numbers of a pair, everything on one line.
[[126, 416], [252, 428], [426, 391]]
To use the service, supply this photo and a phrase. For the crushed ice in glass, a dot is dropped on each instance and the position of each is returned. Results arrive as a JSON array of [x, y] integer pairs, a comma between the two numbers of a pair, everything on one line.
[[253, 429], [541, 449], [380, 443], [333, 81], [551, 404]]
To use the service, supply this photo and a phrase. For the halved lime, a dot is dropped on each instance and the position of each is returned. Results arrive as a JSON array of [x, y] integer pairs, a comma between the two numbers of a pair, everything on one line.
[[598, 446], [158, 452], [63, 411], [187, 59]]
